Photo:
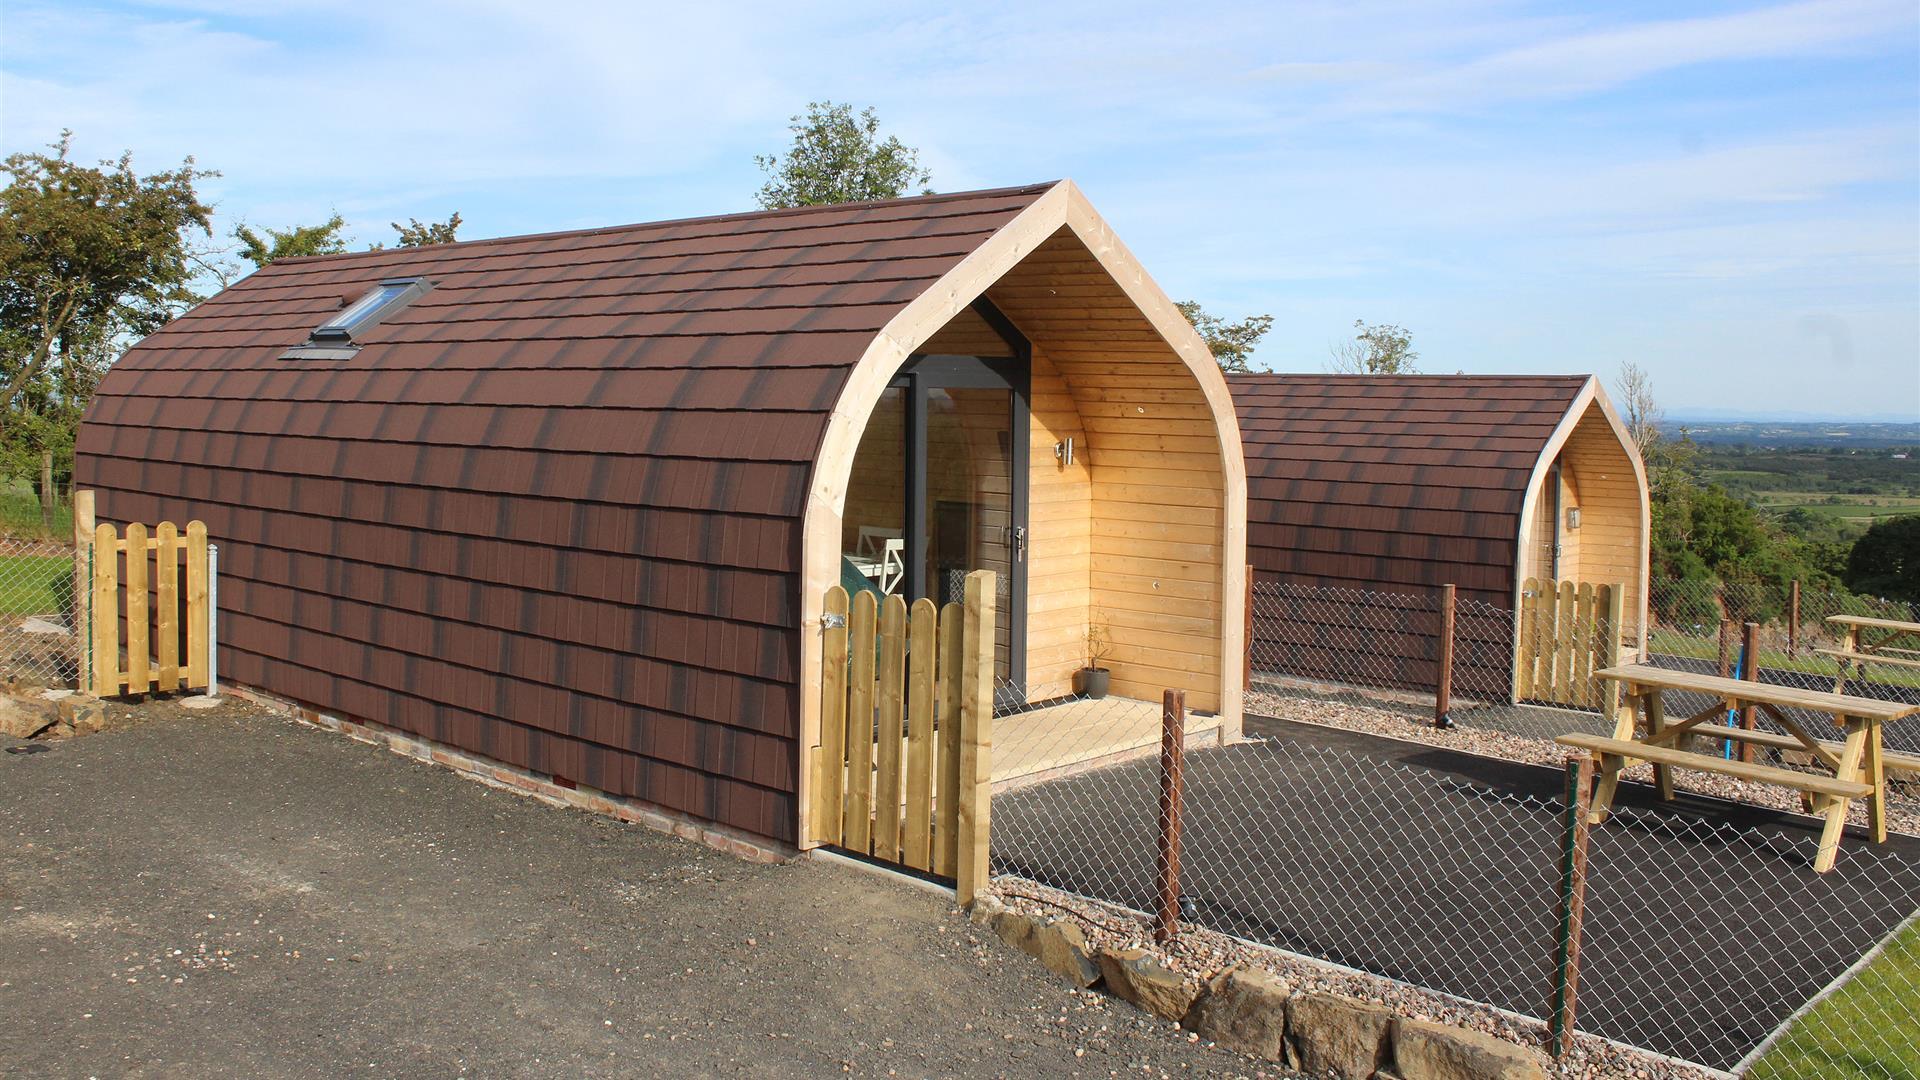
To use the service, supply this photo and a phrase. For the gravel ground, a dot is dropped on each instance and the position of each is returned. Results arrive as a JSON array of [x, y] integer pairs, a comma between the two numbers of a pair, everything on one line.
[[1200, 954], [1903, 814], [227, 893]]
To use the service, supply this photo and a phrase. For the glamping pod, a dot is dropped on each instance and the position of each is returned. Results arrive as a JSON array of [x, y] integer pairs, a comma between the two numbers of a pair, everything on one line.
[[1397, 484], [572, 502]]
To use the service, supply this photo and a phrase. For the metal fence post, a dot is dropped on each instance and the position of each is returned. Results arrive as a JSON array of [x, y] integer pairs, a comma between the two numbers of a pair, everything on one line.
[[1443, 689], [1173, 738], [213, 620], [1573, 900], [1246, 673]]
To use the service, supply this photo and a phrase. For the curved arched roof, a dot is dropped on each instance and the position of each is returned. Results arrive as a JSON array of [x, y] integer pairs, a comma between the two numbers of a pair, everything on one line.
[[581, 458], [1395, 481]]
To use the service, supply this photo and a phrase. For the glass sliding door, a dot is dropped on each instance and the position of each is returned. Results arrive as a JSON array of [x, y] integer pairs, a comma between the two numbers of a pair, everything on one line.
[[938, 490]]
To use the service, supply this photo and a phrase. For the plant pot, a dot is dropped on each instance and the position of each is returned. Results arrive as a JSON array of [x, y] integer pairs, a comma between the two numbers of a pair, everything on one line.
[[1092, 682]]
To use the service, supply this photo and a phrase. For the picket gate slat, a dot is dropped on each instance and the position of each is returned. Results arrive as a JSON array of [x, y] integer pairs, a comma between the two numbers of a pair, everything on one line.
[[858, 833], [916, 845], [891, 729]]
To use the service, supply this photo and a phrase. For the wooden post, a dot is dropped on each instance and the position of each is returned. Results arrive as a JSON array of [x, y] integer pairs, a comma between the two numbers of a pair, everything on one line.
[[830, 762], [1750, 671], [1726, 647], [1573, 899], [1443, 687], [105, 610], [1246, 673], [1616, 620], [1793, 620], [1173, 741], [976, 738], [82, 620]]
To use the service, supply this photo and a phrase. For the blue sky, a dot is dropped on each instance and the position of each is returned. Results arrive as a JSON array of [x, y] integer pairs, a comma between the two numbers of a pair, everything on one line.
[[1727, 194]]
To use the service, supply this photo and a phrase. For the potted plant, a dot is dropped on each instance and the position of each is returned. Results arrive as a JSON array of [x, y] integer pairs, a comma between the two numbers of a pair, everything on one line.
[[1091, 681]]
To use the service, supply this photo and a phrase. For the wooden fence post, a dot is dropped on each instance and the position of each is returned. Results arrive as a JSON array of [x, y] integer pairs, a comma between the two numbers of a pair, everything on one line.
[[1750, 671], [1573, 900], [1726, 647], [82, 620], [1793, 620], [1173, 741], [976, 738], [1616, 621], [1246, 673], [830, 763], [1443, 689]]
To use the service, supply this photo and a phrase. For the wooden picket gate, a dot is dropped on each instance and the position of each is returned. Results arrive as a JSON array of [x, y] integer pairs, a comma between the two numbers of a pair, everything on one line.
[[903, 772], [160, 621], [1567, 631]]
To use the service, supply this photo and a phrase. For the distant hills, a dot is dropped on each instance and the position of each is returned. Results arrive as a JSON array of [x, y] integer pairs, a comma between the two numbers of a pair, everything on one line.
[[1856, 434]]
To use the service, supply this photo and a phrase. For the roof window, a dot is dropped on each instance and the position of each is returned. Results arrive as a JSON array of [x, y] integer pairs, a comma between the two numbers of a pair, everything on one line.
[[335, 339]]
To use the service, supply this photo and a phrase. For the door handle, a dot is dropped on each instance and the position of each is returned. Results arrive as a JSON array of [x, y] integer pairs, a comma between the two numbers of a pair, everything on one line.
[[1020, 543]]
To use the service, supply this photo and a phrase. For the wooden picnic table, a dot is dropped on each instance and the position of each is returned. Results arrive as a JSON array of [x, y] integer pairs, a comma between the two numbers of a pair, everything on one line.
[[1898, 647], [1858, 763]]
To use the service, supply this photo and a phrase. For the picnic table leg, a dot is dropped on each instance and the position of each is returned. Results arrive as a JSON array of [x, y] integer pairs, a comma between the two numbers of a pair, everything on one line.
[[1610, 766], [1656, 722], [1836, 806], [1874, 773]]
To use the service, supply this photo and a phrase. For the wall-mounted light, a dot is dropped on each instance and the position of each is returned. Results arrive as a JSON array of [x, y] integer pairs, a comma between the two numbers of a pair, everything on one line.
[[1063, 451], [1573, 518]]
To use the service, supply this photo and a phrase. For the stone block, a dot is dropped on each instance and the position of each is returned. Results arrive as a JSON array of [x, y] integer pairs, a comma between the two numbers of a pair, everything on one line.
[[1328, 1035], [1429, 1051], [1244, 1009], [1140, 977]]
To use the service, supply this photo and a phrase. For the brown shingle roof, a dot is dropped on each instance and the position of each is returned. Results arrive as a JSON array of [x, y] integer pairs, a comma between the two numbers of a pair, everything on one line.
[[1394, 482], [550, 511]]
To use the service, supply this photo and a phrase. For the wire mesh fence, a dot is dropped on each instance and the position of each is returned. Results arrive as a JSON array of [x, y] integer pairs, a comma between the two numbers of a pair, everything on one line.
[[1706, 929], [36, 612]]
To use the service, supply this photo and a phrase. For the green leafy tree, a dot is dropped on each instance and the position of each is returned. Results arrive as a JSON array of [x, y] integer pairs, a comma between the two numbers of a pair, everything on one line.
[[838, 157], [322, 239], [90, 258], [1886, 561], [1385, 349], [416, 233], [1232, 344]]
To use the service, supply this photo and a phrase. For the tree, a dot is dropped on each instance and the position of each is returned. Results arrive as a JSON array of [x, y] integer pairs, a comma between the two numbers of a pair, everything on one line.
[[418, 234], [1231, 343], [90, 257], [322, 239], [1638, 407], [1376, 350], [836, 157], [1886, 561]]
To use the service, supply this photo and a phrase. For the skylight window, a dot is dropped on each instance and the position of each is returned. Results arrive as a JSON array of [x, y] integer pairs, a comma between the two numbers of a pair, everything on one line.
[[385, 298], [337, 338]]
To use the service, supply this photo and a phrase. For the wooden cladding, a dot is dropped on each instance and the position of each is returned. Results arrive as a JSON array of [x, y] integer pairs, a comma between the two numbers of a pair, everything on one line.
[[146, 592], [903, 769], [1568, 631]]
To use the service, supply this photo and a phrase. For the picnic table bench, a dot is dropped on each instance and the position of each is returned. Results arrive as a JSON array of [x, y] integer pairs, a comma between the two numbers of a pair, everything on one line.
[[1858, 763], [1856, 651]]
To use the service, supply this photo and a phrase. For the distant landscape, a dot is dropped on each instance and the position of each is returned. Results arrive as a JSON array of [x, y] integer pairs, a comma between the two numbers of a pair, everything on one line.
[[1848, 474]]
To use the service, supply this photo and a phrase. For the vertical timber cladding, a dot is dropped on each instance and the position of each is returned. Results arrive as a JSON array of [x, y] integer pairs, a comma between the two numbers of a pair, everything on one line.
[[1610, 545], [1147, 476]]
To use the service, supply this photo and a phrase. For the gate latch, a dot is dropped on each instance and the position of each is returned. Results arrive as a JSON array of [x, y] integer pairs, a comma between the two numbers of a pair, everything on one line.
[[832, 621]]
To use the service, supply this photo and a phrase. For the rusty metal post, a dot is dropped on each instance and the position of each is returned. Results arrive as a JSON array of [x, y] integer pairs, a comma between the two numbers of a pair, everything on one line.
[[1750, 671], [1443, 688], [1573, 899], [1793, 621], [1173, 740]]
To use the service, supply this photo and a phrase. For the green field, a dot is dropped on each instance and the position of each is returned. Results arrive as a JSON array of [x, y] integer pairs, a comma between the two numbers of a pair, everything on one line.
[[1864, 1030], [34, 584], [20, 514]]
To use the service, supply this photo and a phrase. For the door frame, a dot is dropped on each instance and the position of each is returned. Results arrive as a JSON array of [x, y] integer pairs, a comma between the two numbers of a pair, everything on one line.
[[929, 371]]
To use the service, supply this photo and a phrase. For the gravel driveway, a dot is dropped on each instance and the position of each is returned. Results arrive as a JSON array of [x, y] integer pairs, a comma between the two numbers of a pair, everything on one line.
[[234, 894]]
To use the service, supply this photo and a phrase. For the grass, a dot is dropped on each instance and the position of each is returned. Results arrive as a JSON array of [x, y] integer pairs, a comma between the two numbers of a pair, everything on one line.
[[20, 515], [34, 584], [1864, 1030], [1666, 643]]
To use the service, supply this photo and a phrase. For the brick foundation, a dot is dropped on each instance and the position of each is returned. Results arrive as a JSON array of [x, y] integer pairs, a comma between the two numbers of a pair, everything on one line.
[[556, 791]]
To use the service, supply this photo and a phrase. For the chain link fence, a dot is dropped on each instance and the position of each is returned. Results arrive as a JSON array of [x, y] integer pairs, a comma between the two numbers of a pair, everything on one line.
[[36, 612], [1707, 934]]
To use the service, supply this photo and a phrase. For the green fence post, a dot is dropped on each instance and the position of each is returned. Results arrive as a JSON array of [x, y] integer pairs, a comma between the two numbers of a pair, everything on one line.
[[1573, 900]]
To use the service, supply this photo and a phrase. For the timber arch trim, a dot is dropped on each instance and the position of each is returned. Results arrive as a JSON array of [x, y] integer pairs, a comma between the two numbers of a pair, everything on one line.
[[1060, 222]]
